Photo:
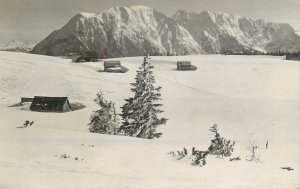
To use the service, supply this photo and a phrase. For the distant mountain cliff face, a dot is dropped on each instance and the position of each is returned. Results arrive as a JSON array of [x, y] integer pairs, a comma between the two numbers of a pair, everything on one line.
[[123, 31], [120, 31], [216, 32]]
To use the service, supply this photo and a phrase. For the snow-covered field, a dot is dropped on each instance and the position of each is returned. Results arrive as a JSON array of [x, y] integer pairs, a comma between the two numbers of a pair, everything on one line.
[[253, 98]]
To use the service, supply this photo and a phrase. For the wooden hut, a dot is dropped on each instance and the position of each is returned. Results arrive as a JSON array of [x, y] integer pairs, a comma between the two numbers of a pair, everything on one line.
[[50, 104], [26, 99], [185, 65], [114, 66], [293, 56]]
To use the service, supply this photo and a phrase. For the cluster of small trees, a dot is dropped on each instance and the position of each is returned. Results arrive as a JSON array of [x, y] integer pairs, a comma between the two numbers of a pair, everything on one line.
[[219, 146], [244, 51], [282, 53], [139, 113], [277, 53]]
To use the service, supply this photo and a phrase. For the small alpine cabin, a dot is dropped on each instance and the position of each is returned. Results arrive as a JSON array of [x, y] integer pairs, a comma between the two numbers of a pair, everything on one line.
[[50, 104], [185, 65], [112, 64]]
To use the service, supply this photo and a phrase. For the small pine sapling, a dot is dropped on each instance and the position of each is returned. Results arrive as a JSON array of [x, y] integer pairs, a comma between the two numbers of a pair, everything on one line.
[[220, 145], [200, 158]]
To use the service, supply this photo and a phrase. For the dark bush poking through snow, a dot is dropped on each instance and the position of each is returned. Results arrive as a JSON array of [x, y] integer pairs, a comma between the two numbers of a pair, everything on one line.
[[197, 158], [220, 145], [26, 124]]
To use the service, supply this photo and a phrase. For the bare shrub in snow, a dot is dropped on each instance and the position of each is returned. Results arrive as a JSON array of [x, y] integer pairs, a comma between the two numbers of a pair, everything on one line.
[[253, 149], [253, 154], [105, 119]]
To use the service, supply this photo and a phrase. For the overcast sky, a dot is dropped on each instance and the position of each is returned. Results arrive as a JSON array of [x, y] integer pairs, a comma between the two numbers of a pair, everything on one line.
[[35, 19]]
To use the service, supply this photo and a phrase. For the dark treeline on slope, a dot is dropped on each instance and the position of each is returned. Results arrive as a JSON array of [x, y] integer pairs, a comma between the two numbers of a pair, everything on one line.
[[289, 55]]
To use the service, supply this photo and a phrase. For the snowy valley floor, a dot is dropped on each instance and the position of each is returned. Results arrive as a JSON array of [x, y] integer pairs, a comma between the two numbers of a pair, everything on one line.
[[253, 98]]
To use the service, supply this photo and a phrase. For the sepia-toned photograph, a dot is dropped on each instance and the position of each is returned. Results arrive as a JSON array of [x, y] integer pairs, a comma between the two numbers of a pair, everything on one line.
[[149, 94]]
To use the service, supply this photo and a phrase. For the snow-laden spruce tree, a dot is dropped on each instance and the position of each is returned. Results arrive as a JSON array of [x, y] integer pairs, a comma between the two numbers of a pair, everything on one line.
[[105, 119], [140, 112]]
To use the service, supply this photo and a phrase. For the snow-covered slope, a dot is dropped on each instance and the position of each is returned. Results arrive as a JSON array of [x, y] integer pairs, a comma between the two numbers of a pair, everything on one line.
[[120, 31], [216, 32], [253, 97], [16, 46]]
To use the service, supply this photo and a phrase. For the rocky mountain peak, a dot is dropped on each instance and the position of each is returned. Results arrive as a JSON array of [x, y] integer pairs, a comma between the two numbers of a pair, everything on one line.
[[132, 31]]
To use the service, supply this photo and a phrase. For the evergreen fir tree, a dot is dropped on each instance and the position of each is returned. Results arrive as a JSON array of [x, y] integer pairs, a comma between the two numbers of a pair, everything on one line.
[[220, 145], [105, 119], [139, 113]]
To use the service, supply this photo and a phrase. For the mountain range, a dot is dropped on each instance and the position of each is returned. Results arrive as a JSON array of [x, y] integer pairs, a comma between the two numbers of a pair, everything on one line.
[[16, 45], [132, 31]]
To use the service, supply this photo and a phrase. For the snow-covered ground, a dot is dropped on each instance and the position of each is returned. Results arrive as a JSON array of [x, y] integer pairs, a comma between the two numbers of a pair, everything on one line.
[[253, 98]]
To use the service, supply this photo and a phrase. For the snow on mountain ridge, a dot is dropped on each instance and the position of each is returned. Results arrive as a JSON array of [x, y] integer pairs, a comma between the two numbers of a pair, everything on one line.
[[16, 45], [216, 31], [130, 31], [87, 15], [120, 31]]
